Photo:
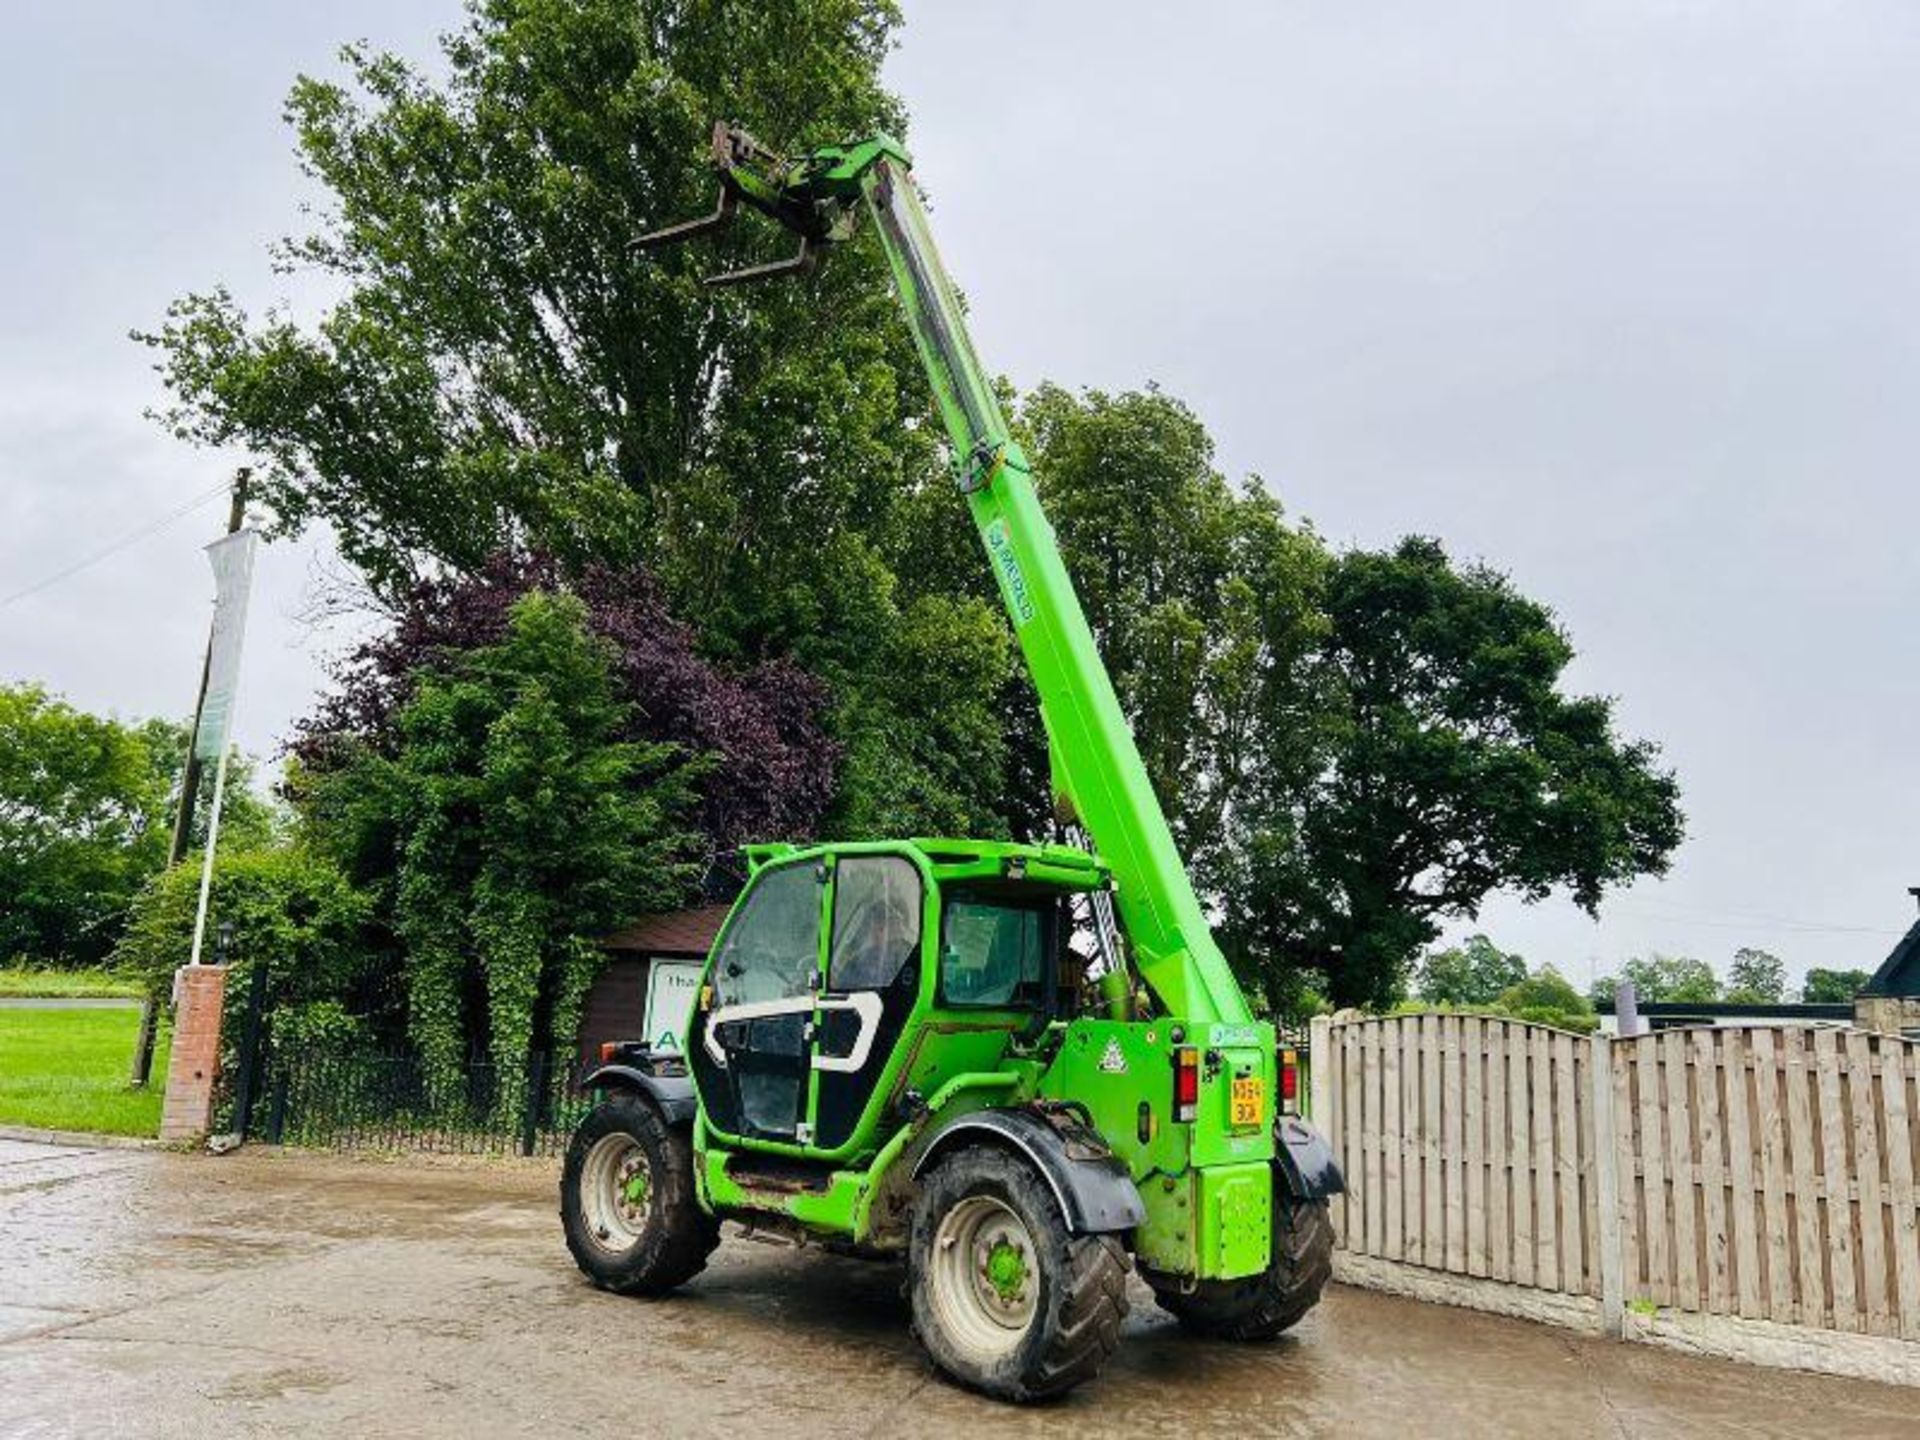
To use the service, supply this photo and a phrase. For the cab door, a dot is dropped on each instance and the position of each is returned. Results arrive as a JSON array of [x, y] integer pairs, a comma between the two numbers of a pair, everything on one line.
[[872, 987], [749, 1044]]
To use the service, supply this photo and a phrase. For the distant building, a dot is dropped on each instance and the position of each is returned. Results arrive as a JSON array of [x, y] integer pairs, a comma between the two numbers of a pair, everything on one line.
[[1891, 1002], [1674, 1014]]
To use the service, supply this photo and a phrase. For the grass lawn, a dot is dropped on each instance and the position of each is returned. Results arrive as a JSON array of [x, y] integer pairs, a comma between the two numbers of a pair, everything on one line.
[[27, 980], [67, 1070]]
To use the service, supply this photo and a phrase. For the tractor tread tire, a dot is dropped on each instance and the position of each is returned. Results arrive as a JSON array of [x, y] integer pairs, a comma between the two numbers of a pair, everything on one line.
[[1083, 1299], [678, 1237], [1262, 1306]]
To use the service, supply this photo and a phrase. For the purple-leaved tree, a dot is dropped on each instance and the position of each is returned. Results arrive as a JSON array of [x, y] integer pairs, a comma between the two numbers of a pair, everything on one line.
[[773, 766]]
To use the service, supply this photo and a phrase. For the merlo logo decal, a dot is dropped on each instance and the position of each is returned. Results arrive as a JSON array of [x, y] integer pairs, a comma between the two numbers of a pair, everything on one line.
[[1000, 546]]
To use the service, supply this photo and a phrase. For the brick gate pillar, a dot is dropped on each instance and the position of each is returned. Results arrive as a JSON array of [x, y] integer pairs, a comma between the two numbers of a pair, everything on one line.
[[199, 992]]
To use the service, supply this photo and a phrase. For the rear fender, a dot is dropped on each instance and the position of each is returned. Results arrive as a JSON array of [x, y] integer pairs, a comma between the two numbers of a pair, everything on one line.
[[672, 1095], [1090, 1183], [1306, 1161]]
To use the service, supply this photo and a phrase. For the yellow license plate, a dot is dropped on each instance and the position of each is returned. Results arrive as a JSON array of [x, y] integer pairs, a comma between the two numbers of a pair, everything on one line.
[[1249, 1099]]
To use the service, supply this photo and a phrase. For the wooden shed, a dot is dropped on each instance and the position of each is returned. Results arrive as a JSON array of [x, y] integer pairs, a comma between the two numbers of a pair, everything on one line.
[[651, 969]]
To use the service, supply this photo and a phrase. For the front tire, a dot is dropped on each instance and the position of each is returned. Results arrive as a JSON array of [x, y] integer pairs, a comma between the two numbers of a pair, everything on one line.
[[1261, 1306], [1005, 1298], [627, 1200]]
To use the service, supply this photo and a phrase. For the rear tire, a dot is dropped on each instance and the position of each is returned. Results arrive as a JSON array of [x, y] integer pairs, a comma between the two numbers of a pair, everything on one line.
[[1005, 1298], [627, 1200], [1261, 1306]]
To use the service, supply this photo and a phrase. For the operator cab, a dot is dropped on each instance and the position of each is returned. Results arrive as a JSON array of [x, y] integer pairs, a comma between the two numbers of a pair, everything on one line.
[[850, 981]]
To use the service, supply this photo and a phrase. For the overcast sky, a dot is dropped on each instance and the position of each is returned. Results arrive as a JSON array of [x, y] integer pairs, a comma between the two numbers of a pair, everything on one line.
[[1620, 297]]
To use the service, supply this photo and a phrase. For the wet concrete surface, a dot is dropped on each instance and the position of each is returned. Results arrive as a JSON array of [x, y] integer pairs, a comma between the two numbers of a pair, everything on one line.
[[156, 1293]]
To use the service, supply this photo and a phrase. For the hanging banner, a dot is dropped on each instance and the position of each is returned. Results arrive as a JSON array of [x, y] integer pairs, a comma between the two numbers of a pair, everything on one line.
[[232, 557]]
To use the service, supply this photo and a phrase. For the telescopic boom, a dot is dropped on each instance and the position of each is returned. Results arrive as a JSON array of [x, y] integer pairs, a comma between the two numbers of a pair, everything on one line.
[[1096, 765]]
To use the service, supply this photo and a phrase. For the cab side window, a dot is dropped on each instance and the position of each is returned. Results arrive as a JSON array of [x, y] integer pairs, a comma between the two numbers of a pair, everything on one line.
[[876, 922], [993, 956]]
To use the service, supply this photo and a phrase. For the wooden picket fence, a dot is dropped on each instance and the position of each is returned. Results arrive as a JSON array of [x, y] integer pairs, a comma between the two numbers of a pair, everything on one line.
[[1766, 1173]]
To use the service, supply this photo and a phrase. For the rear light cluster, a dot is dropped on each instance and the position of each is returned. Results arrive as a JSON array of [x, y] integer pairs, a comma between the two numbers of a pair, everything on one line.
[[1186, 1084], [1290, 1081]]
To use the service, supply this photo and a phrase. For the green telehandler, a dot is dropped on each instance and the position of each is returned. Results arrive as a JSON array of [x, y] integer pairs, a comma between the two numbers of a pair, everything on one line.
[[1026, 1069]]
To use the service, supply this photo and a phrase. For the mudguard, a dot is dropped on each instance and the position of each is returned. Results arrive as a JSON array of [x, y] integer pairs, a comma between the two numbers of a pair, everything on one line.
[[672, 1093], [1091, 1184], [1306, 1161]]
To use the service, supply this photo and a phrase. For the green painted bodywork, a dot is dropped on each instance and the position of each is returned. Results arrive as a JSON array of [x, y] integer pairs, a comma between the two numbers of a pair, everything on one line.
[[1176, 1166], [938, 1045], [1206, 1184]]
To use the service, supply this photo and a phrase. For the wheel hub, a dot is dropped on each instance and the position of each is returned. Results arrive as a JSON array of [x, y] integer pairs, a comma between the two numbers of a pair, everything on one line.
[[616, 1192], [1005, 1269], [984, 1275], [635, 1183]]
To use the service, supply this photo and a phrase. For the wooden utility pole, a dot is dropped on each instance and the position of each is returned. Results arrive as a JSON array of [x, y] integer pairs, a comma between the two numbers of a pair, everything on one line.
[[189, 790]]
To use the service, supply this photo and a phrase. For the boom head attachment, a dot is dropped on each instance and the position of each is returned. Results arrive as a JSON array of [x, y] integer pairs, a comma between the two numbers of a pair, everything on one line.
[[817, 197]]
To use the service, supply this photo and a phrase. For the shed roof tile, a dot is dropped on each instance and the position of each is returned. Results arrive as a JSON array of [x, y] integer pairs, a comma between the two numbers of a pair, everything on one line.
[[674, 932]]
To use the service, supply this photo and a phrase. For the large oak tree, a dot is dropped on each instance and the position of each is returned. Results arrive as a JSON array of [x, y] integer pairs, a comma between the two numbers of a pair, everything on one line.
[[1448, 763], [505, 370]]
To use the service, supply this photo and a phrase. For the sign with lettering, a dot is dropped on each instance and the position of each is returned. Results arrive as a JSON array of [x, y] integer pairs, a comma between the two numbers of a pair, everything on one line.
[[671, 986]]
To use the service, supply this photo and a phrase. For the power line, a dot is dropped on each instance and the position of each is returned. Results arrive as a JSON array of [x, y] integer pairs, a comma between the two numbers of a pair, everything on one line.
[[1735, 920], [117, 546], [1753, 916]]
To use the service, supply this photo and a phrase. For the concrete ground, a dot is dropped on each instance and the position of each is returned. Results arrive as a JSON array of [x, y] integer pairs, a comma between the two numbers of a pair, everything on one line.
[[147, 1292]]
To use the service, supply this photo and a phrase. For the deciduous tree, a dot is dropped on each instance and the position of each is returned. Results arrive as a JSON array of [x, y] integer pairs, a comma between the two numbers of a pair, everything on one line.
[[1203, 601], [1546, 998], [1352, 748], [1474, 972], [1658, 978], [1757, 977], [86, 808], [505, 371], [82, 806], [1834, 987], [1448, 763], [284, 907], [508, 826], [769, 770]]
